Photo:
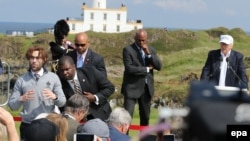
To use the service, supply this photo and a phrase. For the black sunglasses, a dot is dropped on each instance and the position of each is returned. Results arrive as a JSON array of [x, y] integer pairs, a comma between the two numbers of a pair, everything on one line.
[[82, 45]]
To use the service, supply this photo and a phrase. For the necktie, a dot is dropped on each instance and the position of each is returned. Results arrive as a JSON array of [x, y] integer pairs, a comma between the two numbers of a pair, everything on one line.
[[37, 76], [77, 88], [79, 62], [142, 56]]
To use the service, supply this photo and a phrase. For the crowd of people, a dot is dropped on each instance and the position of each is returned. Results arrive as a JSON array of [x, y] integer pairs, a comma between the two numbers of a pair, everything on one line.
[[72, 98]]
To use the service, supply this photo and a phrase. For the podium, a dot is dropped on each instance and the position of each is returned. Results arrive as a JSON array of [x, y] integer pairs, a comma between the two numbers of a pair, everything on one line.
[[212, 108], [226, 91]]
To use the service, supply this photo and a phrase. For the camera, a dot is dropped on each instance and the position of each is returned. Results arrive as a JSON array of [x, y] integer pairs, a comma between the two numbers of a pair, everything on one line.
[[84, 137]]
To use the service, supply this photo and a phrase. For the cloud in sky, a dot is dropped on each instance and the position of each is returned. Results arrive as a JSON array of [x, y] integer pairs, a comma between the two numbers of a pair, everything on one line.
[[182, 5]]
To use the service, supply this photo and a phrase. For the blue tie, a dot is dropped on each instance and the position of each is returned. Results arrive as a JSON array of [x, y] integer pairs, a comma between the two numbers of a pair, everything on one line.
[[142, 56], [79, 62]]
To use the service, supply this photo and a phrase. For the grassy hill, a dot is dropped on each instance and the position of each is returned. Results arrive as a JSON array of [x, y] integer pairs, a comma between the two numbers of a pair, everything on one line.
[[183, 54]]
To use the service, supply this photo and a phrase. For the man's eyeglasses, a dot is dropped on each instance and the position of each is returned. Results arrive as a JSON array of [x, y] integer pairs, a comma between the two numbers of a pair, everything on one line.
[[78, 45], [34, 57]]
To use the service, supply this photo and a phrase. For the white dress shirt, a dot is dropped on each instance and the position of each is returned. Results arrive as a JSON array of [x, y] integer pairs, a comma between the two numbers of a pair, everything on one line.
[[223, 69]]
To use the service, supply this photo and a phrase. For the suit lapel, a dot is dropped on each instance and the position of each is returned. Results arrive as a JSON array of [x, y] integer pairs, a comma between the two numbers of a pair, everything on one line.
[[82, 80], [138, 54], [231, 61], [68, 91], [88, 58]]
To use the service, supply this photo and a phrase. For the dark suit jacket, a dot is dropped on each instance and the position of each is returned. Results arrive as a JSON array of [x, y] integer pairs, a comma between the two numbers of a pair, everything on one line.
[[92, 80], [211, 70], [135, 72], [91, 59], [57, 52]]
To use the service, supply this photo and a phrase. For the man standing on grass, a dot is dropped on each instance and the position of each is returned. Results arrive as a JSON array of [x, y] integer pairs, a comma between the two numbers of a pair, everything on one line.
[[37, 91], [140, 61]]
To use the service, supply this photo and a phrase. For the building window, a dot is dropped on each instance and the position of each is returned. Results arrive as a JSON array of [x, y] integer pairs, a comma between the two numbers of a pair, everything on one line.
[[118, 28], [105, 28], [73, 27], [118, 17], [91, 27], [82, 16], [105, 16], [92, 16]]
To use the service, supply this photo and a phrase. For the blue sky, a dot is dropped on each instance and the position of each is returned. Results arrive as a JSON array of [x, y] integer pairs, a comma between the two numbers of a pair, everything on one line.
[[184, 14]]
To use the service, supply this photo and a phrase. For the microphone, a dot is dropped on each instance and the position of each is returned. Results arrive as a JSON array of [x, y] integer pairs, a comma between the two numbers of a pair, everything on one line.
[[216, 69], [240, 95], [230, 67]]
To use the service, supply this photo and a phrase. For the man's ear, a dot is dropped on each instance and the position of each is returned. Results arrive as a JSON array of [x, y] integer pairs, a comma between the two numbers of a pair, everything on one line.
[[124, 128]]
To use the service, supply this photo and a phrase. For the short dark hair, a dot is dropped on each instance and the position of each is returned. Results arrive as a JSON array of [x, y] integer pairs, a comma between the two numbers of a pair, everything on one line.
[[65, 59], [41, 130]]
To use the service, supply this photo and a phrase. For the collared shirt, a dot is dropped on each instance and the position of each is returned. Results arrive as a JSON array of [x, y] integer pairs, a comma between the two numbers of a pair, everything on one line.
[[40, 72], [76, 80], [83, 55], [148, 56], [72, 86], [70, 116], [223, 68]]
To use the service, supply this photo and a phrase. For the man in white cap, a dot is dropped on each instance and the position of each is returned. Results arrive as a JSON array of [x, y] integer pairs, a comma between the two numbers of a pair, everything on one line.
[[224, 66]]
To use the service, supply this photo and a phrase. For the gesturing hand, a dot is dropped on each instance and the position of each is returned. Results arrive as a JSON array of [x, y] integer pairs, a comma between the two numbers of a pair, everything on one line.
[[89, 96], [29, 95]]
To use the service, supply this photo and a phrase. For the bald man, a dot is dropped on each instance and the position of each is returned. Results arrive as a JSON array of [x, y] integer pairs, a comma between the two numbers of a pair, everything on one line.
[[83, 56], [140, 60]]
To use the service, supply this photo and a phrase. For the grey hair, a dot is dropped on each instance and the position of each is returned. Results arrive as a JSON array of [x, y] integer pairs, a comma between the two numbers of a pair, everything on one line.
[[119, 116], [77, 102]]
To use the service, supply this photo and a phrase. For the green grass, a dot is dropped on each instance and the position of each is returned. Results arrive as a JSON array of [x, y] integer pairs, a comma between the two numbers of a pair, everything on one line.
[[182, 52], [136, 120]]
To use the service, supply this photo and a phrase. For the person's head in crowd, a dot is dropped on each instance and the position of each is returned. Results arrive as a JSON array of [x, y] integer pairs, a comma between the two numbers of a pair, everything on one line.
[[97, 127], [226, 43], [61, 30], [81, 42], [140, 37], [120, 119], [77, 106], [66, 68], [62, 123], [37, 57], [42, 130]]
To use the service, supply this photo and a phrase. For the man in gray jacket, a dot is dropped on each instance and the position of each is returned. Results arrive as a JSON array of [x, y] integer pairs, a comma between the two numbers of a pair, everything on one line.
[[37, 91], [140, 60]]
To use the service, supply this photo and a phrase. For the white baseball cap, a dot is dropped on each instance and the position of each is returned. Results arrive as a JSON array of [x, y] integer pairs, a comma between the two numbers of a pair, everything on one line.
[[227, 39]]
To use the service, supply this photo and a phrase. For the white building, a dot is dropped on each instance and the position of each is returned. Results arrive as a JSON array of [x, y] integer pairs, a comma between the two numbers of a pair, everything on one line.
[[100, 19]]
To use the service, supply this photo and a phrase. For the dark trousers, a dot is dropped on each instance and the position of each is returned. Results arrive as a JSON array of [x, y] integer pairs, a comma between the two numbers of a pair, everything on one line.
[[144, 102], [23, 128]]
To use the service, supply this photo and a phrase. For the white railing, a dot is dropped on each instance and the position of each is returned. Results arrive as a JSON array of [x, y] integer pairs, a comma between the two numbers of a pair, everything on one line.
[[5, 84]]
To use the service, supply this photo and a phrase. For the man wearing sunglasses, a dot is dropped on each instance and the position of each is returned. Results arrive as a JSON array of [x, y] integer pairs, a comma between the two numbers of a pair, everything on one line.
[[83, 56]]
